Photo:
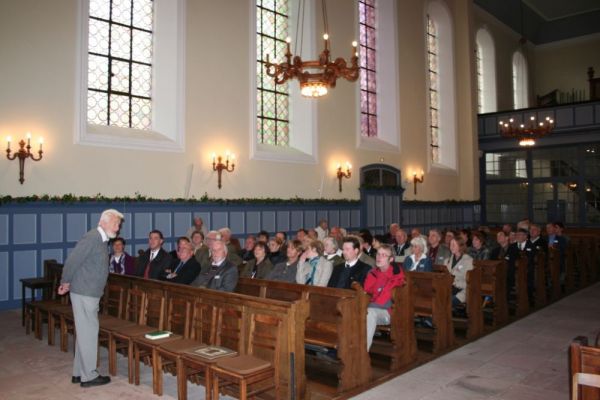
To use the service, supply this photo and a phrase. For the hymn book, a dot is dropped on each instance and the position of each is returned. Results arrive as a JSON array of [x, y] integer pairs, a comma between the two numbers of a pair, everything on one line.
[[157, 335], [212, 352]]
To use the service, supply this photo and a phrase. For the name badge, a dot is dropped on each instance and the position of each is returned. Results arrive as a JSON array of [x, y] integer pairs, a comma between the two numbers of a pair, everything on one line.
[[217, 276]]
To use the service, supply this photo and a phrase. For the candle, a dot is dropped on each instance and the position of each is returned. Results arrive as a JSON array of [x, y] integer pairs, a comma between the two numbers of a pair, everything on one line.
[[28, 138], [41, 143], [227, 156], [8, 143], [214, 157]]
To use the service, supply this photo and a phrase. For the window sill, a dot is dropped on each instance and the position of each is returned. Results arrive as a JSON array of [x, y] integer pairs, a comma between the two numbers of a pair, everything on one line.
[[134, 139], [265, 152], [376, 144]]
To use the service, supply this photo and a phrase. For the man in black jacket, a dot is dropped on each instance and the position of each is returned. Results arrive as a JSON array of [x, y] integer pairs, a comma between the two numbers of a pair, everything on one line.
[[353, 270], [154, 261], [184, 269]]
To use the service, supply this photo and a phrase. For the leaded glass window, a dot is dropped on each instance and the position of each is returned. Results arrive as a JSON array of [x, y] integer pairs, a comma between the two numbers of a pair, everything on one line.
[[272, 101], [433, 71], [480, 82], [368, 76], [120, 63]]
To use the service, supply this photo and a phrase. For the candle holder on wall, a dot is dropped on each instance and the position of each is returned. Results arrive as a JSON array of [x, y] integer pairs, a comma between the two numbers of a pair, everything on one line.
[[220, 166], [23, 154], [343, 174]]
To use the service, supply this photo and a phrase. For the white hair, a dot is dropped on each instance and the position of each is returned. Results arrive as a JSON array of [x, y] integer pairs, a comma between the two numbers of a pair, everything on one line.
[[107, 215], [420, 242]]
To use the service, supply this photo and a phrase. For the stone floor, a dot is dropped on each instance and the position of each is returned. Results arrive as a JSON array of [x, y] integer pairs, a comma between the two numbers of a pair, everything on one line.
[[526, 360], [30, 369]]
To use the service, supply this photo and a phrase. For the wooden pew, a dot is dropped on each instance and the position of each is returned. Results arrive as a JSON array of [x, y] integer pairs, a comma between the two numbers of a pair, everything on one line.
[[541, 298], [402, 346], [333, 314], [493, 284], [522, 298], [585, 359], [554, 270], [431, 295], [473, 323]]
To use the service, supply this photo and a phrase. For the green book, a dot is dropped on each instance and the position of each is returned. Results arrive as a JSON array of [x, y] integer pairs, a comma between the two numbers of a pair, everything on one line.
[[157, 335]]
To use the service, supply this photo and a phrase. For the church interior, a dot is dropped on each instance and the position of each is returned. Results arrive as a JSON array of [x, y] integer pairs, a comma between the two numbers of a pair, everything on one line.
[[273, 116]]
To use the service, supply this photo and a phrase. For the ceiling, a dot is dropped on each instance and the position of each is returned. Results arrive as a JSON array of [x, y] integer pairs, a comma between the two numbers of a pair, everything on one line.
[[552, 10], [545, 21]]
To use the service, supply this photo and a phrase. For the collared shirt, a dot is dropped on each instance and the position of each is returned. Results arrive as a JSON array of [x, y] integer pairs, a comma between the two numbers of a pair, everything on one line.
[[103, 234], [153, 254], [350, 264]]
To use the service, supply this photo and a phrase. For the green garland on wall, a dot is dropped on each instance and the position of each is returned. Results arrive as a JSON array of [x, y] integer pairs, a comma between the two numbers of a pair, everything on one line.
[[139, 198]]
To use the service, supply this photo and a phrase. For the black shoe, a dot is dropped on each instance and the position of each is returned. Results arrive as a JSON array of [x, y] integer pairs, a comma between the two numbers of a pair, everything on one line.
[[99, 380], [75, 379]]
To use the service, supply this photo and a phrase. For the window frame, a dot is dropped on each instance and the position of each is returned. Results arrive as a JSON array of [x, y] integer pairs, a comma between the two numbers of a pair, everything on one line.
[[168, 99]]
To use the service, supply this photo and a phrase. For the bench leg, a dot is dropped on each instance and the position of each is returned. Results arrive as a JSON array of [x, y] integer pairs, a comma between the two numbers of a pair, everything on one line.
[[182, 380]]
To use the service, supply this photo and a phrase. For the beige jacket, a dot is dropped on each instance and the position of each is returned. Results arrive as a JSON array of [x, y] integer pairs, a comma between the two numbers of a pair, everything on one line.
[[460, 275], [322, 272]]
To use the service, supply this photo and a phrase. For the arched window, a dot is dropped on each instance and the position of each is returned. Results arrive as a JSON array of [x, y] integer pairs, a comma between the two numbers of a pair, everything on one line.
[[441, 89], [520, 81], [486, 72], [379, 99], [130, 77], [379, 175], [284, 123]]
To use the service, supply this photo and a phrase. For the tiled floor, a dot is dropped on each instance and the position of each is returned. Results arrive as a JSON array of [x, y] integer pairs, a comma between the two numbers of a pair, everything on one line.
[[30, 369], [526, 360]]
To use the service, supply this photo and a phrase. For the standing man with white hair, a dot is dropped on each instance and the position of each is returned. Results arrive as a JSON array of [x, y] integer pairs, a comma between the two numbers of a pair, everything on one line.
[[84, 276]]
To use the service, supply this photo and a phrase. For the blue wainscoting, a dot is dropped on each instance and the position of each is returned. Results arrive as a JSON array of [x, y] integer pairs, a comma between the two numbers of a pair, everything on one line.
[[36, 231]]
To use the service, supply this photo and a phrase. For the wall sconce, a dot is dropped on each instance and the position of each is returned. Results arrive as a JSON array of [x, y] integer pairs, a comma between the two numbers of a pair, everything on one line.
[[23, 153], [341, 174], [416, 180], [219, 166]]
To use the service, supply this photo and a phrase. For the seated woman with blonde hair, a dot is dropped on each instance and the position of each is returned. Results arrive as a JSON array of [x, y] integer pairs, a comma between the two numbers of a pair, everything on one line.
[[418, 260], [458, 265], [313, 268]]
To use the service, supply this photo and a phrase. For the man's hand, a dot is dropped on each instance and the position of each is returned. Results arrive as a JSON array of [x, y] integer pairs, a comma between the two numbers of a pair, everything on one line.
[[63, 288]]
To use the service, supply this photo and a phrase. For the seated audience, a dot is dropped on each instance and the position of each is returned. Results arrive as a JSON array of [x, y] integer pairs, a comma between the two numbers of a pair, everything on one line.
[[402, 246], [367, 246], [185, 268], [313, 268], [537, 241], [458, 265], [379, 283], [438, 252], [286, 271], [152, 262], [478, 249], [263, 236], [364, 257], [313, 235], [282, 236], [322, 229], [416, 232], [120, 262], [352, 270], [301, 234], [260, 266], [448, 236], [336, 233], [276, 250], [418, 260], [247, 253], [222, 273], [331, 251], [558, 242], [390, 236], [233, 245], [507, 229], [198, 243], [173, 253], [197, 226], [465, 235], [525, 248], [378, 240]]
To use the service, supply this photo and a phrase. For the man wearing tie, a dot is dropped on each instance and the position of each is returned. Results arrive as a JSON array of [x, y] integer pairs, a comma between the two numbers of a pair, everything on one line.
[[222, 274], [185, 268], [352, 270], [154, 261]]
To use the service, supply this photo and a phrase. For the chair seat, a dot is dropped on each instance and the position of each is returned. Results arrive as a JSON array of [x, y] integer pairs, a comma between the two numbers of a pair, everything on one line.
[[45, 304], [141, 339], [134, 330], [181, 345], [243, 365], [108, 322]]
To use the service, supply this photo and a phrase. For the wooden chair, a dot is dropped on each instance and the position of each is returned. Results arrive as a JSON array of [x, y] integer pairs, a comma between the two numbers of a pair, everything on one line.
[[221, 325], [584, 360], [493, 284], [259, 367], [36, 311], [179, 307], [581, 378]]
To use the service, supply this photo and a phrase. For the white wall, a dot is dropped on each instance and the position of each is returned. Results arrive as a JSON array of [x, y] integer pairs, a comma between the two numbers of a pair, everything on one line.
[[37, 94]]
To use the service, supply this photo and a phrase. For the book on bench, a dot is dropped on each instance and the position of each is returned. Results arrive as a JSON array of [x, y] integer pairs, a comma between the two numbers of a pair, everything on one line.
[[212, 352], [157, 335]]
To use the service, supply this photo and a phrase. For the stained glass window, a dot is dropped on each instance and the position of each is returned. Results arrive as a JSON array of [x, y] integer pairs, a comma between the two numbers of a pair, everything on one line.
[[368, 67], [120, 63], [433, 71], [272, 101], [480, 82]]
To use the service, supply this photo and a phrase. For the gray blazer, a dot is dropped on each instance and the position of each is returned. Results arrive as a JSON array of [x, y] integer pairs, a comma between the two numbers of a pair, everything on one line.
[[225, 278], [86, 268]]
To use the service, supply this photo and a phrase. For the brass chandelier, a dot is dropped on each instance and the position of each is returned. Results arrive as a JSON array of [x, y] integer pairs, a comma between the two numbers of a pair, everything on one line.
[[526, 134], [316, 77]]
